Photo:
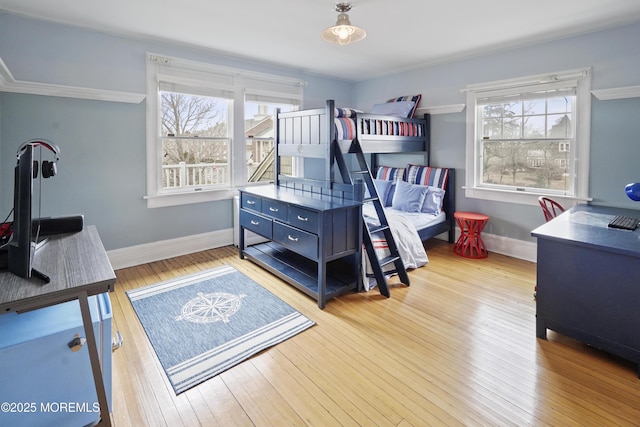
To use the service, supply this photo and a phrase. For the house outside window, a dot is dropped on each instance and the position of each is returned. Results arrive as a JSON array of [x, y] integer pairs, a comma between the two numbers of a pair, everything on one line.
[[260, 139], [529, 137], [199, 148]]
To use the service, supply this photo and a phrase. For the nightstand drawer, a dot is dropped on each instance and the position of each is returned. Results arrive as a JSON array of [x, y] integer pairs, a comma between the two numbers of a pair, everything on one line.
[[303, 218], [274, 209], [251, 202], [256, 223], [297, 240]]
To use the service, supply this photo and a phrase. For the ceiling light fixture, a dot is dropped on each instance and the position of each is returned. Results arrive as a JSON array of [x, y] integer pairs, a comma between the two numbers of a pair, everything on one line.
[[343, 32]]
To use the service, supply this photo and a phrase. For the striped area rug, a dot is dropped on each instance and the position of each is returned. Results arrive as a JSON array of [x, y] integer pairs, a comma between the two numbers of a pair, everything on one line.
[[205, 323]]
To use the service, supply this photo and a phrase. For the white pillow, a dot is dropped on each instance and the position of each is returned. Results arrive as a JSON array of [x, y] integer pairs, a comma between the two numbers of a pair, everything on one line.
[[397, 109]]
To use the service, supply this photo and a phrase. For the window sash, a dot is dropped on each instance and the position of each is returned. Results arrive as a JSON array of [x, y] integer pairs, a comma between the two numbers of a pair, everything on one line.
[[192, 88], [575, 83], [203, 175], [518, 121], [542, 91]]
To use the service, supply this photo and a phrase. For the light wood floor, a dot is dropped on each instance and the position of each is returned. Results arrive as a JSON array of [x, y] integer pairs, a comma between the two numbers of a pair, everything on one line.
[[457, 347]]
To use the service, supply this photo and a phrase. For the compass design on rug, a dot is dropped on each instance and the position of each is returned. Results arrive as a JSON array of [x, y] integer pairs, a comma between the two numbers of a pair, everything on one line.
[[209, 308]]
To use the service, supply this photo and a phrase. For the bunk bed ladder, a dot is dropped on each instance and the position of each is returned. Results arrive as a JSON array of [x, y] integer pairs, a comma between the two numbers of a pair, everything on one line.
[[363, 172]]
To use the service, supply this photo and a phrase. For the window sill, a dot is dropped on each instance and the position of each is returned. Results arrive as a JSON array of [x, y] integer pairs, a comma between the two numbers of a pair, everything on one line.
[[177, 199], [519, 197]]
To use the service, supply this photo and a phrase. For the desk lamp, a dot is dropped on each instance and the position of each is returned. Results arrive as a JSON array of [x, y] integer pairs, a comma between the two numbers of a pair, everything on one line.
[[633, 191]]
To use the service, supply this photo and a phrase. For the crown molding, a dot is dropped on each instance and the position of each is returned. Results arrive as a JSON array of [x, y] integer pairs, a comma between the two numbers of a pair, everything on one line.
[[9, 84], [441, 109], [617, 93]]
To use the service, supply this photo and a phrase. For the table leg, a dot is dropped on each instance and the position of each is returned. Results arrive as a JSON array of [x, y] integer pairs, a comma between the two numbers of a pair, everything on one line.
[[94, 358]]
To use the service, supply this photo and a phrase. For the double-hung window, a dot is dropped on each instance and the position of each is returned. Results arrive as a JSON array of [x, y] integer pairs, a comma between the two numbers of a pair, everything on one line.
[[195, 142], [261, 101], [529, 137], [210, 129]]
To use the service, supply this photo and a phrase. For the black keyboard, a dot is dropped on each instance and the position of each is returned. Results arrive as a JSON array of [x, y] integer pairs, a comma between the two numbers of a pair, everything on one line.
[[624, 222]]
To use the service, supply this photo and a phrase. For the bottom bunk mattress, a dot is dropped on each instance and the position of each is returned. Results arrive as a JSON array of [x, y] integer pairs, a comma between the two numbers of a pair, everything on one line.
[[419, 220], [404, 228]]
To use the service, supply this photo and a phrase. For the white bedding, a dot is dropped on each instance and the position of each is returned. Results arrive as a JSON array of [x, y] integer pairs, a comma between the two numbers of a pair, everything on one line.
[[420, 220], [406, 237]]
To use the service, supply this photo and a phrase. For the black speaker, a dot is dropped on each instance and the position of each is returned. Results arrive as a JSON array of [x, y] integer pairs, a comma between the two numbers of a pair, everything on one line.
[[63, 224]]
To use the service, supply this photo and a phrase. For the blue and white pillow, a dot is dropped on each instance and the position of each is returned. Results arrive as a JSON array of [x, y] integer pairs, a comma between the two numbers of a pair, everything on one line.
[[415, 98], [401, 109], [385, 191], [409, 197]]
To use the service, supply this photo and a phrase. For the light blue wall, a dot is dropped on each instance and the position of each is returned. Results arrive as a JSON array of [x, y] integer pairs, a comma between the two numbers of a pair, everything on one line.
[[614, 56], [615, 150], [102, 167]]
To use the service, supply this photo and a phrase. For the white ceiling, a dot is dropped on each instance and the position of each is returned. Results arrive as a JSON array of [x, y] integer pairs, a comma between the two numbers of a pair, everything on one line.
[[401, 33]]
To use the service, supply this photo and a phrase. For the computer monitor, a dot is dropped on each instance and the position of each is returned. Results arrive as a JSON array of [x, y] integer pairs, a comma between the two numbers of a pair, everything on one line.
[[22, 247]]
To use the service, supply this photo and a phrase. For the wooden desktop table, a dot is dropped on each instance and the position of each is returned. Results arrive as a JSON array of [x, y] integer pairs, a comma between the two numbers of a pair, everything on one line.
[[78, 267], [588, 280]]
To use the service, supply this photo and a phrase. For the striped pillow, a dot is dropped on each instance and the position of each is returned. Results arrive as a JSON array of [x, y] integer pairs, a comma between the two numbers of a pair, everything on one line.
[[345, 128], [426, 175], [346, 112], [415, 98], [388, 173]]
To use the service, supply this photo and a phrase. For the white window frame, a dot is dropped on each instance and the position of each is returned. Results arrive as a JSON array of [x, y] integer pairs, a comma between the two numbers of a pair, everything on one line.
[[213, 79], [582, 116]]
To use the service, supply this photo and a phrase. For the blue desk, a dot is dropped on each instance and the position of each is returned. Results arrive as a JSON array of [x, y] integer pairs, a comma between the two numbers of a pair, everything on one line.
[[588, 280]]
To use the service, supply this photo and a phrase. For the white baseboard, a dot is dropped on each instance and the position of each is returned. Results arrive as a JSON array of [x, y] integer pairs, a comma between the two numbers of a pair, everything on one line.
[[506, 246], [511, 247], [156, 251]]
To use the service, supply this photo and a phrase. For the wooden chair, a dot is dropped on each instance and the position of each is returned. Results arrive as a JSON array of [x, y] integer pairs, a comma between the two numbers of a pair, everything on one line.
[[550, 208]]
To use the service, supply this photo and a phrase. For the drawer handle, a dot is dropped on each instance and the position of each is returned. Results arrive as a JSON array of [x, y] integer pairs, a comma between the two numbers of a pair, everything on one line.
[[302, 218], [255, 222], [273, 209], [293, 239], [251, 202]]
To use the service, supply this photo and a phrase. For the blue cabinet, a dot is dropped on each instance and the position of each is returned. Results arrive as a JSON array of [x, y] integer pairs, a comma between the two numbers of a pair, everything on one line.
[[45, 372], [315, 240]]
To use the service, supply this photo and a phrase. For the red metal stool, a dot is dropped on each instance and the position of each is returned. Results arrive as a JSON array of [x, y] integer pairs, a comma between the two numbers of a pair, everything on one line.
[[470, 244]]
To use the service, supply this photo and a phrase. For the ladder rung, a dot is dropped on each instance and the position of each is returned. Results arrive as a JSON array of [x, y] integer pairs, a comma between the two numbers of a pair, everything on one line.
[[388, 260], [378, 228], [369, 199], [361, 172]]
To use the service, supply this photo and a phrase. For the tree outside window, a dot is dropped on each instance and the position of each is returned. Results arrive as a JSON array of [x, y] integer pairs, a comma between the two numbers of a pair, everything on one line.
[[195, 141], [526, 143]]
